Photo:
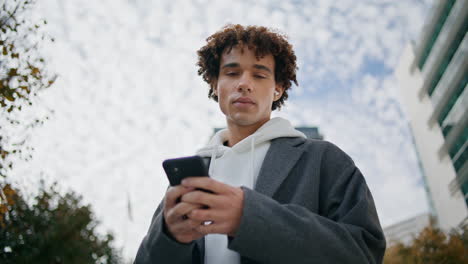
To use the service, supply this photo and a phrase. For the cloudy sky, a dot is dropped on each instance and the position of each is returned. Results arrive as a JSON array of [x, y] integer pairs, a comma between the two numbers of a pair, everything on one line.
[[128, 96]]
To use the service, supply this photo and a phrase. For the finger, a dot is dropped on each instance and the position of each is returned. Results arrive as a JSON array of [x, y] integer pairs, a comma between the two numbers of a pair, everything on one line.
[[193, 224], [214, 228], [185, 227], [202, 215], [177, 213], [205, 183], [173, 193], [200, 197], [182, 209]]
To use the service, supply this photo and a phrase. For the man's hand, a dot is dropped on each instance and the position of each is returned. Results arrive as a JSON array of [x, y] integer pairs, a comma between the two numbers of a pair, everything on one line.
[[175, 215], [223, 206]]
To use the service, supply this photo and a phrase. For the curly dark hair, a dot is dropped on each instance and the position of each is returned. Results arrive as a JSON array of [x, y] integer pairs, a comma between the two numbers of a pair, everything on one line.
[[263, 41]]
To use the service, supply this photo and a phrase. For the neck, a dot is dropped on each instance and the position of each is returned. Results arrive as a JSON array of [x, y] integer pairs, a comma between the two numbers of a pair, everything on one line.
[[238, 132]]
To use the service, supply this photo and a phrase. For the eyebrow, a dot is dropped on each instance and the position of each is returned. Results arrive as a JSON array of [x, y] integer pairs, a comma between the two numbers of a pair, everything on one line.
[[257, 66]]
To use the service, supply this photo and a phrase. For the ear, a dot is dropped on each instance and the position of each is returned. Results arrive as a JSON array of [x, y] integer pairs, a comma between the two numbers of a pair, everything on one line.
[[279, 90]]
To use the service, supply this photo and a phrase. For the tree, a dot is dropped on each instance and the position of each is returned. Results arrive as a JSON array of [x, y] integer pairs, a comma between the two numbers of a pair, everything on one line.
[[54, 229], [431, 246], [22, 75], [49, 227]]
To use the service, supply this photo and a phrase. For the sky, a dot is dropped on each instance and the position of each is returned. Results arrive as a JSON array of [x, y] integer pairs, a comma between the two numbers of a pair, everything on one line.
[[128, 96]]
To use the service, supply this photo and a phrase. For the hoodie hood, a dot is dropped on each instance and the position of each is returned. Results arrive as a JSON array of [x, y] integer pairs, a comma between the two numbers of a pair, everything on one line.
[[274, 128], [257, 142]]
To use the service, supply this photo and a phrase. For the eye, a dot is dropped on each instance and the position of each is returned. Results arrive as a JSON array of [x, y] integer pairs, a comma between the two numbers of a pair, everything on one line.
[[259, 76], [231, 73]]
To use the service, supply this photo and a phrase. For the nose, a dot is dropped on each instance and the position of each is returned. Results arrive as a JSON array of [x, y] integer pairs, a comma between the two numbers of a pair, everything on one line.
[[245, 83]]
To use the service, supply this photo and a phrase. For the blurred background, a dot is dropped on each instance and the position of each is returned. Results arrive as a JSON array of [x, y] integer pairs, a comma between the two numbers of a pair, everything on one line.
[[127, 96]]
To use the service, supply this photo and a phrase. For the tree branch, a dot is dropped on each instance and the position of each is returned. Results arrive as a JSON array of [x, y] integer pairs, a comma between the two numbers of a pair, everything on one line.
[[3, 22]]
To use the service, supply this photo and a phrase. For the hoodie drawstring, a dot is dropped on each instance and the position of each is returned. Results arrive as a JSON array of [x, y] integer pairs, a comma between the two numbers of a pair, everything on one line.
[[252, 160], [214, 153]]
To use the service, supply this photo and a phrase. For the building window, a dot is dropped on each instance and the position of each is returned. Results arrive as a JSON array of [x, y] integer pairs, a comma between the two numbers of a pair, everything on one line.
[[438, 27], [448, 57], [460, 160], [458, 152], [464, 190], [450, 104]]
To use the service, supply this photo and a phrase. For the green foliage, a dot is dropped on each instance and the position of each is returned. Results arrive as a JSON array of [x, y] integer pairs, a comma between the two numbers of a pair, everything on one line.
[[54, 229], [431, 246], [22, 75], [49, 227]]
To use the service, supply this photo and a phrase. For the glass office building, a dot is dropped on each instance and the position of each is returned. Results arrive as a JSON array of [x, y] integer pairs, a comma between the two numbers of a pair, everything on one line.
[[433, 75]]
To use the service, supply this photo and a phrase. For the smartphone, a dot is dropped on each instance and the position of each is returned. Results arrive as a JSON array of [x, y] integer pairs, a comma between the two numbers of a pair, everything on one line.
[[180, 168]]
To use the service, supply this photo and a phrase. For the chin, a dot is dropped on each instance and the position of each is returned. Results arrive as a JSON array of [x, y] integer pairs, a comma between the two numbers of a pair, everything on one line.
[[246, 119], [243, 120]]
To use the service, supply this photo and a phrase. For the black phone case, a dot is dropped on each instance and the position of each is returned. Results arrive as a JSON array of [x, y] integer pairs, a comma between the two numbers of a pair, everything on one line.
[[180, 168]]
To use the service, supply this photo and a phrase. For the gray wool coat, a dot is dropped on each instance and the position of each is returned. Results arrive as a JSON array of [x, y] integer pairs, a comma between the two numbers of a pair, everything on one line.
[[311, 204]]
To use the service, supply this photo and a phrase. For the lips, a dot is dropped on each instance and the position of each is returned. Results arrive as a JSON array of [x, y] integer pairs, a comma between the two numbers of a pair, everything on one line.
[[244, 100]]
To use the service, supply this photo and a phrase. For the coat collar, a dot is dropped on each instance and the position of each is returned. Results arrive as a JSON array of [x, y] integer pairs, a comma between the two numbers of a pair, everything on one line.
[[279, 160]]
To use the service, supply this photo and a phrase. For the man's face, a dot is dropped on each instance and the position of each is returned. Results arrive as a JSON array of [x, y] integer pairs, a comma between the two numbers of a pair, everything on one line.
[[246, 87]]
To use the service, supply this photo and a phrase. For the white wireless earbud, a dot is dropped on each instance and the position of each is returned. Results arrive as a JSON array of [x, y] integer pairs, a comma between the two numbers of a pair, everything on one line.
[[276, 93]]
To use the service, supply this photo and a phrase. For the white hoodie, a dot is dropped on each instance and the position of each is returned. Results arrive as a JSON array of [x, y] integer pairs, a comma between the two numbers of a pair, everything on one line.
[[239, 166]]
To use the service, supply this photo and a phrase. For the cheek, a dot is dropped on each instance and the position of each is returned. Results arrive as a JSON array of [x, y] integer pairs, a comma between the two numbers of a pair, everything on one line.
[[269, 97], [222, 97], [223, 91]]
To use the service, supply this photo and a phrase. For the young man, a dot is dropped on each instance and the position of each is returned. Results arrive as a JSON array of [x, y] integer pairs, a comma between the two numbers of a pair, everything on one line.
[[276, 197]]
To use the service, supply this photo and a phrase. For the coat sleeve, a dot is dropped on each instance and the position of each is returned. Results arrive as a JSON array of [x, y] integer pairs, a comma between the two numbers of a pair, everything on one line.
[[158, 247], [347, 230]]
